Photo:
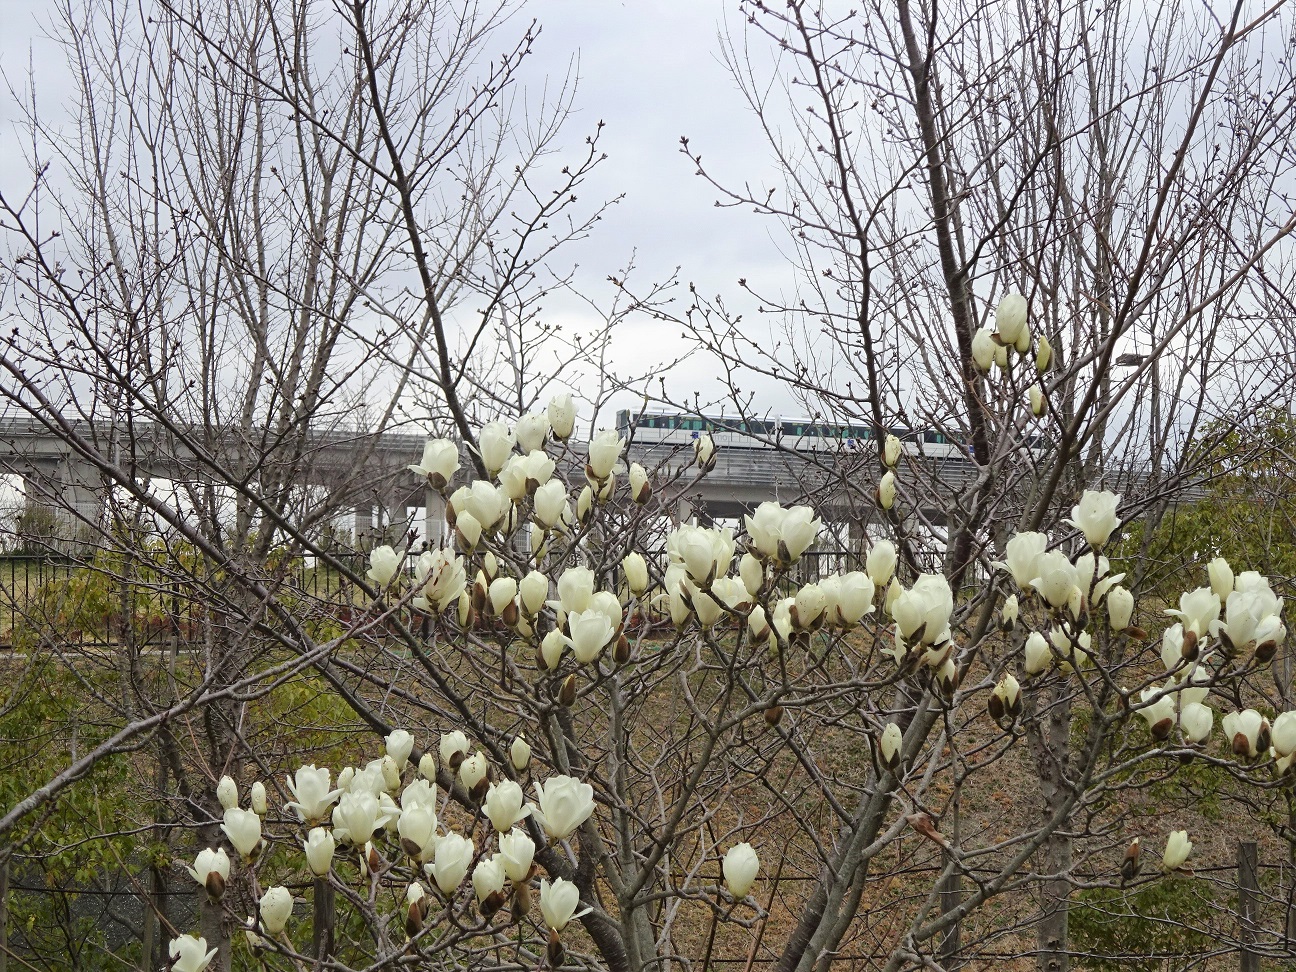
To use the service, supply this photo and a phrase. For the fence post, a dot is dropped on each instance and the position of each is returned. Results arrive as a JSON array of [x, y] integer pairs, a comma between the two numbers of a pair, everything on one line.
[[1248, 898]]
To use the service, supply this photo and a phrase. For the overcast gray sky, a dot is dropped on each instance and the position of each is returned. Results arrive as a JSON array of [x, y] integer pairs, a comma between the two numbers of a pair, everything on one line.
[[651, 70]]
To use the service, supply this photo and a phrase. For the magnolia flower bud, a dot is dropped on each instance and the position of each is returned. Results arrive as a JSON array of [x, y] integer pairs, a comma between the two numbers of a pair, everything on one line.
[[1177, 849], [740, 866], [488, 878], [494, 445], [257, 798], [551, 649], [562, 416], [531, 430], [1038, 656], [516, 852], [1221, 578], [584, 504], [503, 805], [636, 573], [520, 753], [1009, 613], [1005, 700], [468, 531], [880, 563], [886, 490], [1010, 319], [891, 451], [704, 451], [1038, 403], [1043, 355], [758, 624], [640, 490], [473, 770], [1120, 606], [384, 563], [534, 590], [500, 595], [890, 745], [1001, 357], [227, 793], [604, 451], [567, 691], [1023, 343], [319, 848], [399, 744], [276, 908], [983, 350]]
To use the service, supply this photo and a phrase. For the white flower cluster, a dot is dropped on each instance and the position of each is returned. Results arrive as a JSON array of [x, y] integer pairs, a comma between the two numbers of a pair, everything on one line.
[[991, 347], [387, 818]]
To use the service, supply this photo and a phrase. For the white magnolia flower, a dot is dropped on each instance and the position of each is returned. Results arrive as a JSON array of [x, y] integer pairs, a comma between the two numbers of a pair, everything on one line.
[[575, 588], [1221, 577], [210, 862], [1283, 733], [243, 828], [384, 564], [440, 462], [276, 908], [923, 611], [494, 445], [319, 848], [454, 853], [564, 804], [562, 416], [360, 814], [503, 805], [558, 903], [1177, 849], [604, 452], [1096, 516], [740, 867], [590, 632], [189, 954], [531, 430], [399, 745], [881, 562], [1010, 319], [1057, 578], [1198, 610], [516, 852], [1021, 557], [1247, 732], [488, 877]]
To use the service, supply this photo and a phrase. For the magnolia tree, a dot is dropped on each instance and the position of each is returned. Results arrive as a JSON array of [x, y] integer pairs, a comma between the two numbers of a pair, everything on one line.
[[596, 756]]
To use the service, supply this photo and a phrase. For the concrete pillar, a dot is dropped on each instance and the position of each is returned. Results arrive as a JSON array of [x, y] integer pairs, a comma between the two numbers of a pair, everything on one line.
[[434, 523]]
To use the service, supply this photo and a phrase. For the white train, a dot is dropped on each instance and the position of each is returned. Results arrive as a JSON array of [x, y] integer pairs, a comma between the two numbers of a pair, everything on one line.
[[674, 429]]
